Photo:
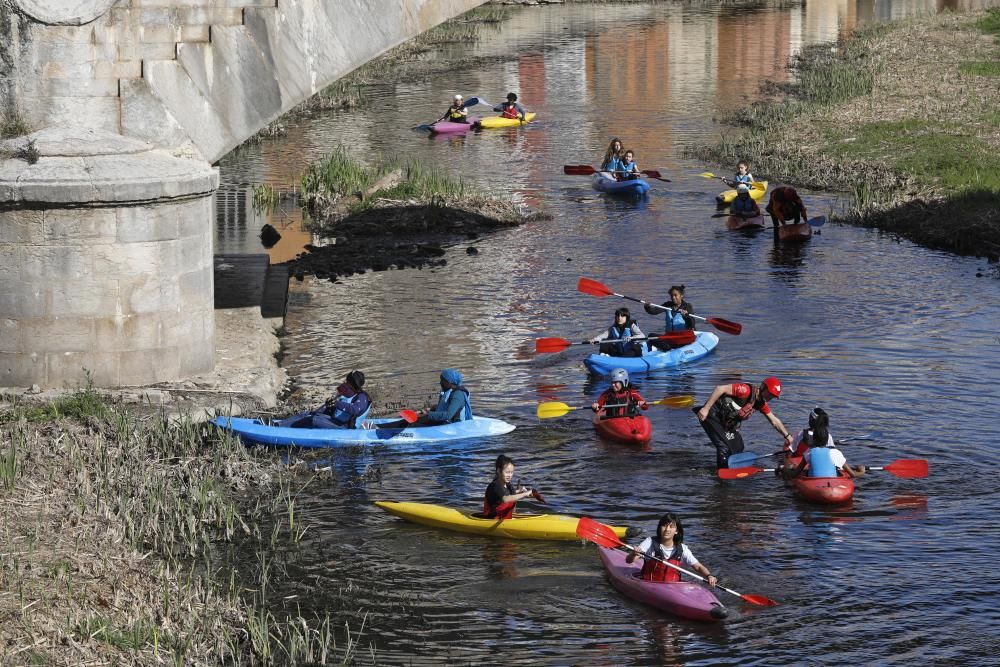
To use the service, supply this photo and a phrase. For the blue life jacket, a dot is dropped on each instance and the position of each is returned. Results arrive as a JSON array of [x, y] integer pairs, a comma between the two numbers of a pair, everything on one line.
[[821, 463], [628, 167], [346, 418], [743, 206], [615, 165], [466, 412], [675, 321], [614, 334], [746, 178]]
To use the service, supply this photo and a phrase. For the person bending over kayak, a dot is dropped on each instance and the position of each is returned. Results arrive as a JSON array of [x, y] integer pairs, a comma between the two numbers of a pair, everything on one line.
[[456, 113], [619, 336], [669, 546], [785, 206], [612, 157], [819, 451], [732, 404], [345, 409], [511, 109], [621, 394], [743, 175], [629, 169], [678, 315], [501, 496], [744, 206]]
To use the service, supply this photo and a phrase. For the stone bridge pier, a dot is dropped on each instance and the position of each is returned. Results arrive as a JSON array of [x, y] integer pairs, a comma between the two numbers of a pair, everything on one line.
[[112, 113]]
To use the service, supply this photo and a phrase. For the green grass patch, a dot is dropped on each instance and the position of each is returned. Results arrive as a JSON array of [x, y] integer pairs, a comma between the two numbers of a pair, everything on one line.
[[981, 68], [132, 638], [990, 24]]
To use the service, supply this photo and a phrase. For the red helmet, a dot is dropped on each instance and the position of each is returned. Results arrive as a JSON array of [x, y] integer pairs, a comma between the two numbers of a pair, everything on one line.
[[773, 386]]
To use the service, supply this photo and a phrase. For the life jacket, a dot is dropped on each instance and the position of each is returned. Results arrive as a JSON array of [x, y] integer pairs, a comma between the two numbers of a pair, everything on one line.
[[676, 321], [613, 334], [745, 178], [501, 511], [732, 412], [346, 418], [626, 397], [627, 167], [465, 413], [509, 110], [806, 440], [821, 463], [654, 570], [613, 165], [740, 205], [456, 115]]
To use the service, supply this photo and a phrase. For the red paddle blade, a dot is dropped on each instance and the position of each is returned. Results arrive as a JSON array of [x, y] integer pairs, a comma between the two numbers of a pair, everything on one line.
[[598, 533], [759, 600], [579, 170], [544, 345], [738, 473], [409, 415], [588, 286], [908, 468], [734, 328], [685, 337], [538, 496], [652, 173]]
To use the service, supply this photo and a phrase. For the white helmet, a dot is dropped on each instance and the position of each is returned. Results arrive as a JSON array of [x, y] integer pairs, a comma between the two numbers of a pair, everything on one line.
[[742, 187], [620, 375], [457, 98]]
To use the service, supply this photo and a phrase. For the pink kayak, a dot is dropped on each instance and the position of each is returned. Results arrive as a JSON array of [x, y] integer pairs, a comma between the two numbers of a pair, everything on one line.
[[444, 126], [736, 222], [681, 598]]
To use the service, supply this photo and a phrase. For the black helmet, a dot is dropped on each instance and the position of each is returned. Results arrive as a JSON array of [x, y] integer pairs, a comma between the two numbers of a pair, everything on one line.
[[356, 379], [512, 97]]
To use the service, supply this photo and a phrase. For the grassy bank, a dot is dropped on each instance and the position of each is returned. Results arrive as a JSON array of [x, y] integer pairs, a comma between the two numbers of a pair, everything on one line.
[[114, 529], [904, 116]]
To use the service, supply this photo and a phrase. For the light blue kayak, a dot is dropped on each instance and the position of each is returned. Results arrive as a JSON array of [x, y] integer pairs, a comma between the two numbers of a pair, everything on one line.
[[256, 432], [605, 183], [703, 345]]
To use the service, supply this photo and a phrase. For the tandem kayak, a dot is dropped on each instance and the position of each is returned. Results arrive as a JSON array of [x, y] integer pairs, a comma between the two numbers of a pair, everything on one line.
[[822, 490], [520, 527], [604, 182], [757, 191], [446, 127], [795, 233], [736, 223], [256, 432], [705, 342], [632, 430], [494, 122], [680, 598]]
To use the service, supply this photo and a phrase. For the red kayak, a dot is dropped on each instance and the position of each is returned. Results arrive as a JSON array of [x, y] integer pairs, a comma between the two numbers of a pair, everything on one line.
[[794, 233], [822, 490], [736, 222], [633, 430]]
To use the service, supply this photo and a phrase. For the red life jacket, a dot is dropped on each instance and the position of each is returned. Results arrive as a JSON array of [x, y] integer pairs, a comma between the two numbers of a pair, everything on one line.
[[654, 570], [499, 511], [733, 411], [510, 111]]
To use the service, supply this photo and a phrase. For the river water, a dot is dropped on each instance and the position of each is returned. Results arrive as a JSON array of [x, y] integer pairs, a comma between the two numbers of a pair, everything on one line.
[[898, 343]]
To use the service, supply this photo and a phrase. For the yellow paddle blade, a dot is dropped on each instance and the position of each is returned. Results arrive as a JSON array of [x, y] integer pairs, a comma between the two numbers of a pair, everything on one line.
[[553, 409], [676, 401], [707, 174]]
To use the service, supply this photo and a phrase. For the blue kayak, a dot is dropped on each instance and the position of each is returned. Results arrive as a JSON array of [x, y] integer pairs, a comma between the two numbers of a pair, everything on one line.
[[257, 432], [704, 344], [605, 183]]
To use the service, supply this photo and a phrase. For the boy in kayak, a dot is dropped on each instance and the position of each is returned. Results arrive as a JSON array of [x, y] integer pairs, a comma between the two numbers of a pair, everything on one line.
[[785, 206], [501, 497], [453, 403], [629, 169], [819, 451], [743, 175], [669, 546], [620, 394], [678, 315], [744, 206], [456, 113], [348, 406], [511, 109], [732, 404], [612, 157], [622, 331]]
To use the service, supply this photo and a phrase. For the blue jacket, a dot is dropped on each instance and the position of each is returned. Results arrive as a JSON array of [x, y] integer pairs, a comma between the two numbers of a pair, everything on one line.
[[453, 406]]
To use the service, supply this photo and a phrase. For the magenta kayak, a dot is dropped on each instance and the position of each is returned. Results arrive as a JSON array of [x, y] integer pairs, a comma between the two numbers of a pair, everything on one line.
[[444, 126], [680, 598]]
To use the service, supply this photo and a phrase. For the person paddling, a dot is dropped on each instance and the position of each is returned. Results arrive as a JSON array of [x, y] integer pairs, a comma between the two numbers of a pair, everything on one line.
[[620, 393], [743, 175], [668, 545], [785, 206], [732, 404], [619, 336], [612, 157], [511, 109], [744, 206], [501, 496], [677, 312], [820, 456], [629, 169], [345, 409], [456, 113]]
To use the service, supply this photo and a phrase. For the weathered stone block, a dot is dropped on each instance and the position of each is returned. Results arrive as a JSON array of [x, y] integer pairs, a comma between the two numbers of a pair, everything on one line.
[[20, 300], [158, 50], [150, 366], [16, 368], [54, 262], [152, 296], [65, 225], [59, 334], [20, 226], [70, 369], [147, 223], [136, 262], [87, 297], [10, 334], [133, 332]]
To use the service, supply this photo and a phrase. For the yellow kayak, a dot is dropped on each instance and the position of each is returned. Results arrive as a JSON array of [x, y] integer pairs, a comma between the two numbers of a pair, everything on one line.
[[757, 191], [521, 527], [496, 121]]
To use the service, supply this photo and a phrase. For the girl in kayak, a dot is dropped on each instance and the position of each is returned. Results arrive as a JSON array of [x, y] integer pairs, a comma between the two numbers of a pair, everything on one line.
[[743, 175], [621, 394], [345, 409], [629, 169], [456, 113], [678, 315], [612, 157], [819, 451], [744, 206], [669, 546], [732, 404], [501, 497], [510, 108], [785, 206], [622, 331]]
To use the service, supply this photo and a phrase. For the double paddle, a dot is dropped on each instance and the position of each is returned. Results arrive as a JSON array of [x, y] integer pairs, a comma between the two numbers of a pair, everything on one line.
[[604, 536], [545, 345], [557, 409], [708, 174], [471, 102], [588, 286], [905, 468], [587, 170]]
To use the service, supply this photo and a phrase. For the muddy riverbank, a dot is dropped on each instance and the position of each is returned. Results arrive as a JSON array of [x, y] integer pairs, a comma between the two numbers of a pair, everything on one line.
[[901, 115]]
